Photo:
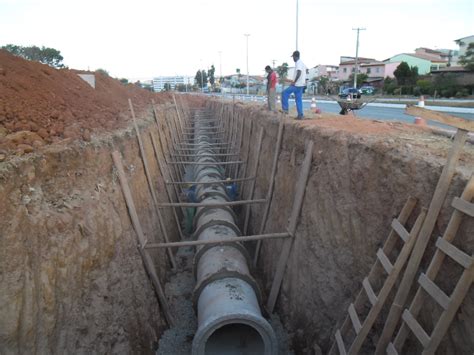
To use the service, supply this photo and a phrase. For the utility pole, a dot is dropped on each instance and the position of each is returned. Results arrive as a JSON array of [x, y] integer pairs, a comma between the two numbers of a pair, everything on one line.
[[220, 64], [247, 35], [273, 60], [297, 3], [358, 29]]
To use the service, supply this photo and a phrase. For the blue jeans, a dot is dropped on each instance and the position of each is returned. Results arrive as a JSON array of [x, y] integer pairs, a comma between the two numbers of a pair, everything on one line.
[[298, 91]]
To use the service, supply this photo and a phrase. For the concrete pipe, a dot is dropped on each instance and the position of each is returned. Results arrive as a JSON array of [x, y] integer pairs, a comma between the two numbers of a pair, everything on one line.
[[229, 318], [226, 296]]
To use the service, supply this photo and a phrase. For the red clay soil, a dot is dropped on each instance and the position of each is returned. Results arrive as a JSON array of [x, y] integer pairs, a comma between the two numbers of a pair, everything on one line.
[[40, 105]]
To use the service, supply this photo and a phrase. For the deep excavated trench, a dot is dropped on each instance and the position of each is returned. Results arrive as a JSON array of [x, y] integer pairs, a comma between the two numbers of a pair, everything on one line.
[[77, 284]]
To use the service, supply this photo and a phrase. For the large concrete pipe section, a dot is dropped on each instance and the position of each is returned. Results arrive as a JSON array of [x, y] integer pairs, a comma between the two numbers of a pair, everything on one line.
[[226, 296]]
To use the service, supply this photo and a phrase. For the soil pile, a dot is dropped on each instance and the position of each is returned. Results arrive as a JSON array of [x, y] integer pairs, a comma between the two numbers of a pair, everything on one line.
[[40, 105]]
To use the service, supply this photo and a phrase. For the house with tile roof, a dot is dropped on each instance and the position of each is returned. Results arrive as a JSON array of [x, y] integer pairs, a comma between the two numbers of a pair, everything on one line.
[[427, 60]]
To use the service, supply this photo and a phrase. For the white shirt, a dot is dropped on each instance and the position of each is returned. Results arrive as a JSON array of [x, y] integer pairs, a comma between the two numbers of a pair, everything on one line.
[[299, 65]]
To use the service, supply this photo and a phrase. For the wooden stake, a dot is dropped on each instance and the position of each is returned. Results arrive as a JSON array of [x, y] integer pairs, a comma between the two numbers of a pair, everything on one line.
[[252, 182], [270, 189], [165, 174], [150, 185], [297, 203], [147, 261]]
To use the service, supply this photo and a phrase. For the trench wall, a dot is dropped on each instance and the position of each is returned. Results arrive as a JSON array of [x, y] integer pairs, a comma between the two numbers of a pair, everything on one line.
[[358, 183], [71, 278]]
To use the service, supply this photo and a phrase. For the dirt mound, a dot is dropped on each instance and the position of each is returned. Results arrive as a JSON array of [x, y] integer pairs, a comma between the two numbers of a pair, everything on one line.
[[40, 105]]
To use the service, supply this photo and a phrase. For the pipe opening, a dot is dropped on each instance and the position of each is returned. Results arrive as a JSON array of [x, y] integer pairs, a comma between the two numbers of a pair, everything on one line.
[[235, 339]]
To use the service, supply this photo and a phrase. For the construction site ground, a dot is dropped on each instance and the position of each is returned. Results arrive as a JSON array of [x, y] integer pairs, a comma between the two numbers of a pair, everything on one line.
[[71, 279]]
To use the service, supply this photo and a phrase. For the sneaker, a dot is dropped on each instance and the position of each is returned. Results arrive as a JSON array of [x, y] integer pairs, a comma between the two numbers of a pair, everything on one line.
[[300, 117]]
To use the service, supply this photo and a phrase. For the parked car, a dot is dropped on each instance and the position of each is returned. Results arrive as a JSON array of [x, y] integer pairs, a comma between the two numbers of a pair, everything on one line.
[[354, 93], [367, 90]]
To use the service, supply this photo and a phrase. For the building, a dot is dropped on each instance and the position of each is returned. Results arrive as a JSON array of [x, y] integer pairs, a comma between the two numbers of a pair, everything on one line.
[[321, 70], [347, 66], [463, 43], [427, 60], [160, 81]]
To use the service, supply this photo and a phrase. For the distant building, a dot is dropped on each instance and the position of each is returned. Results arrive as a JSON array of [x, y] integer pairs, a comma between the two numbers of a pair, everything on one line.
[[463, 43], [160, 81], [321, 70], [427, 60], [347, 66]]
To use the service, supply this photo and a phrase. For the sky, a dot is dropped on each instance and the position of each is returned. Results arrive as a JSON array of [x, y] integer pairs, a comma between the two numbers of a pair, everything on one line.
[[142, 39]]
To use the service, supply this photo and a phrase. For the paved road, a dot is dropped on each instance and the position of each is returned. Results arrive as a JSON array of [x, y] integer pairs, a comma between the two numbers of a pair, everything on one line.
[[378, 111]]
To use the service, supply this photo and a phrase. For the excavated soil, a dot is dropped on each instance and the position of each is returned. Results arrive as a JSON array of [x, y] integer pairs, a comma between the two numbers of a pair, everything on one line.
[[40, 105]]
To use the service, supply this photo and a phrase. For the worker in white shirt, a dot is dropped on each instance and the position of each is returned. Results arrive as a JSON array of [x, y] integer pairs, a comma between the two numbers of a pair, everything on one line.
[[296, 87]]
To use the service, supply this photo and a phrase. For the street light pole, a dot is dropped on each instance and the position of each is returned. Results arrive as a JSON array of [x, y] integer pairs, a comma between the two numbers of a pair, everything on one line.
[[297, 3], [357, 55], [247, 35]]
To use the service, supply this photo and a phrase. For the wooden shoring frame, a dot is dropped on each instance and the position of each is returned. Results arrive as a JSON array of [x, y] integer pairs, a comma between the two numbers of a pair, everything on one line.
[[165, 175], [222, 241], [292, 224], [254, 168], [270, 188], [147, 260], [150, 184]]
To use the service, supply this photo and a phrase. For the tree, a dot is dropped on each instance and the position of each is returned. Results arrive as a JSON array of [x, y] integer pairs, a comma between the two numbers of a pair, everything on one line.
[[201, 78], [45, 55], [210, 74], [361, 77], [282, 71], [124, 81], [238, 72], [467, 60], [405, 74], [167, 87]]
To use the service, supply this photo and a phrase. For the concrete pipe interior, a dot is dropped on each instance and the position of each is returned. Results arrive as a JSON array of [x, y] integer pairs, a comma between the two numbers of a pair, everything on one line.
[[235, 339]]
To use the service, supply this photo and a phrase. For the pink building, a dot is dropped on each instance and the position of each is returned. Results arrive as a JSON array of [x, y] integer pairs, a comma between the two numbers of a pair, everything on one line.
[[375, 70]]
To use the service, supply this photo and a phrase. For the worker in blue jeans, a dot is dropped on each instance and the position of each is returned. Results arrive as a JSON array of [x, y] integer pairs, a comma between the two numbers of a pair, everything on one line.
[[296, 87]]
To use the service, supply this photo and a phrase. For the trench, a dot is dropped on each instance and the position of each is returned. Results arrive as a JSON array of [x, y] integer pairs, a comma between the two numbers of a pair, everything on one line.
[[79, 285]]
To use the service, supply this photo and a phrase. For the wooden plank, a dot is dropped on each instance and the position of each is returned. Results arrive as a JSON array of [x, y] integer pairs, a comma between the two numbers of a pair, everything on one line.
[[416, 328], [437, 261], [207, 162], [203, 204], [400, 229], [226, 181], [354, 318], [391, 349], [454, 253], [297, 204], [218, 241], [414, 262], [387, 265], [369, 291], [441, 117], [266, 211], [463, 206], [434, 291], [150, 185], [165, 174], [147, 261], [340, 343], [252, 183]]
